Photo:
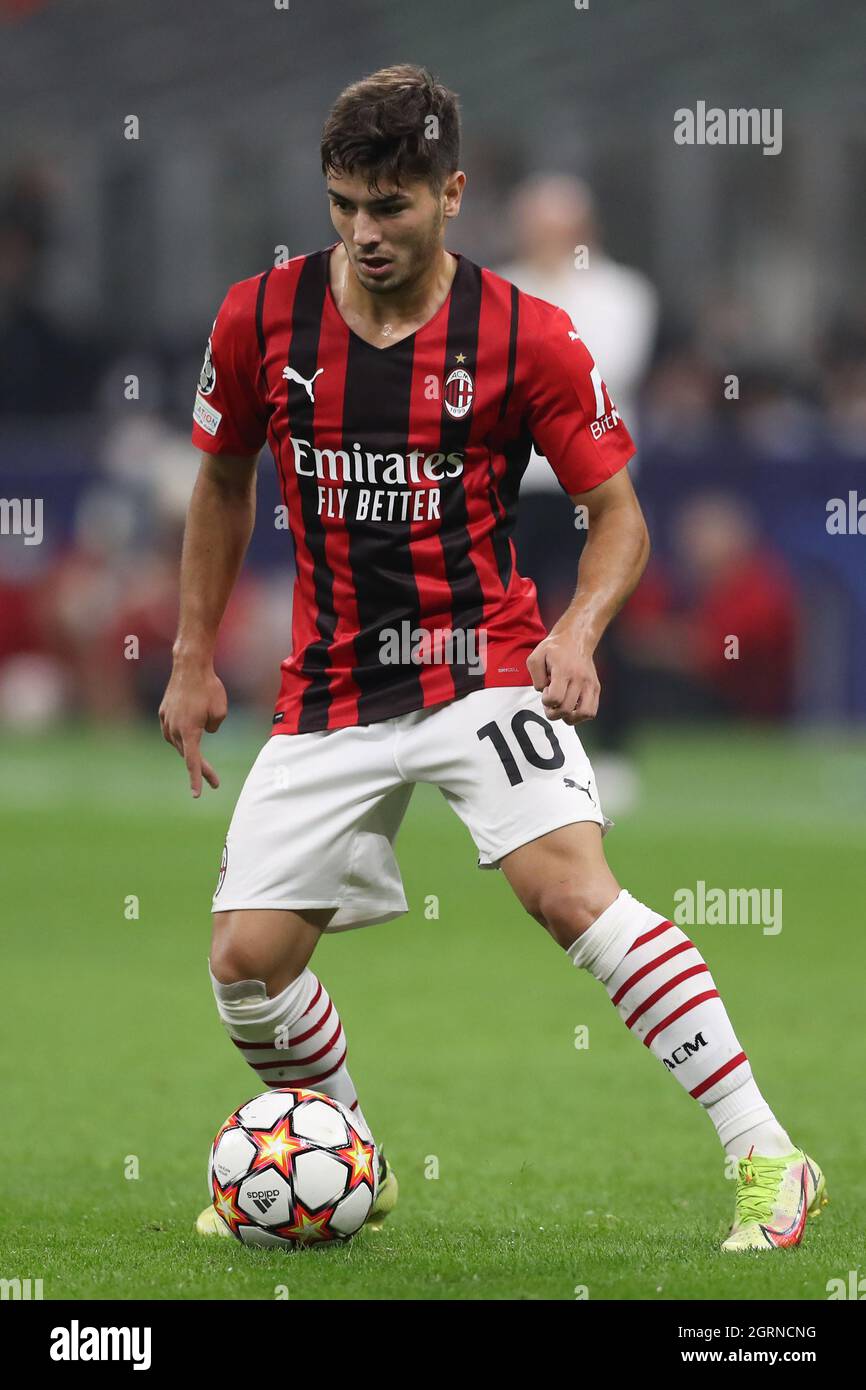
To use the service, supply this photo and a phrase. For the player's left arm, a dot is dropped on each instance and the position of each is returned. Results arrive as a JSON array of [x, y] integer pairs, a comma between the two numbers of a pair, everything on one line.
[[576, 426], [617, 548]]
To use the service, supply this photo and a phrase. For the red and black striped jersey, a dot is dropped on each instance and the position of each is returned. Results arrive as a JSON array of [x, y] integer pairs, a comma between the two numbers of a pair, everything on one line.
[[399, 469]]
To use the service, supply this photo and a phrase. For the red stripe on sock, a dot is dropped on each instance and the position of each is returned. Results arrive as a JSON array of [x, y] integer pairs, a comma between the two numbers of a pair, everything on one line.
[[315, 997], [302, 1037], [718, 1075], [324, 1049], [302, 1061], [665, 989], [648, 936], [652, 965], [678, 1013], [310, 1081]]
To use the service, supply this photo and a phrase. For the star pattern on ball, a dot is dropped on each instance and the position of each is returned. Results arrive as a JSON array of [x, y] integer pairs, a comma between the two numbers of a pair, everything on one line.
[[302, 1093], [359, 1156], [277, 1147], [227, 1207], [307, 1228]]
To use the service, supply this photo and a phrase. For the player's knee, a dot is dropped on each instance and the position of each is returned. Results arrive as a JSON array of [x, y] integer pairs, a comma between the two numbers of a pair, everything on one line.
[[569, 907], [233, 960]]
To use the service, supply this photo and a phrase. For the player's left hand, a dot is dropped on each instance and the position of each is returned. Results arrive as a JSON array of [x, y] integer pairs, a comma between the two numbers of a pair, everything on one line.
[[565, 674]]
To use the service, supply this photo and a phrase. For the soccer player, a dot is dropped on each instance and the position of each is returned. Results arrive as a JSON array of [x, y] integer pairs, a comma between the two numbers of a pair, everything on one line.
[[401, 388]]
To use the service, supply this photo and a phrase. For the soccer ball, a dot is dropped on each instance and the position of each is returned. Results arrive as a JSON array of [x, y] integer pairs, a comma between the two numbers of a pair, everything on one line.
[[292, 1167]]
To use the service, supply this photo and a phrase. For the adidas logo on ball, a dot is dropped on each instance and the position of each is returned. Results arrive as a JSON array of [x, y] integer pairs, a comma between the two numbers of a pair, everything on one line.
[[265, 1200]]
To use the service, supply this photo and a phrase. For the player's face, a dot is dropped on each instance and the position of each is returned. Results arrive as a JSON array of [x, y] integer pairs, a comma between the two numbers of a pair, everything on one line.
[[391, 235]]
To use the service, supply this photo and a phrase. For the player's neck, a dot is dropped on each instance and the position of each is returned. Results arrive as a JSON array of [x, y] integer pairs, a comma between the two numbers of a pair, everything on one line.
[[387, 317]]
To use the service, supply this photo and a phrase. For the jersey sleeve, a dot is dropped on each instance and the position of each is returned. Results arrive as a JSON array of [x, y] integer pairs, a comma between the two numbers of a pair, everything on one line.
[[568, 410], [229, 415]]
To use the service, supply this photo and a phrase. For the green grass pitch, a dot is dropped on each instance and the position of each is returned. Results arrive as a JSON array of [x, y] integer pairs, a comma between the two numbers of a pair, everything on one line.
[[558, 1169]]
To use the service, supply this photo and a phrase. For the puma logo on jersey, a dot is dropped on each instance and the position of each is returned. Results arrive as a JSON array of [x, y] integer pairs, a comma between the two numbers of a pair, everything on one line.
[[290, 374]]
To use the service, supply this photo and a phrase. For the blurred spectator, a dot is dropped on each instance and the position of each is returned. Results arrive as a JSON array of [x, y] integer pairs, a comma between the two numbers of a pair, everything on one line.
[[613, 307], [44, 369], [844, 389], [560, 258], [32, 676], [682, 400], [615, 311], [773, 414], [717, 635]]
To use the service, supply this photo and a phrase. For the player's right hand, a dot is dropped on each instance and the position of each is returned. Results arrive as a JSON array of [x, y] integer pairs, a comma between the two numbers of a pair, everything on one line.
[[195, 701]]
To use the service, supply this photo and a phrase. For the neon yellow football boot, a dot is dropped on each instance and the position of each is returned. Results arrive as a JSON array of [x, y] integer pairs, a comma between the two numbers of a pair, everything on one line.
[[209, 1223], [775, 1197], [386, 1197]]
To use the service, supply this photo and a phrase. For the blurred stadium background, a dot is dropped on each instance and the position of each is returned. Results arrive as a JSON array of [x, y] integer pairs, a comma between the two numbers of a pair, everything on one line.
[[115, 254], [704, 262]]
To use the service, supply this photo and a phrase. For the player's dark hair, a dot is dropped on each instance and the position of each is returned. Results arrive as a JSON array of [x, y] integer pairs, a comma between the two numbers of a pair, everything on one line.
[[382, 126]]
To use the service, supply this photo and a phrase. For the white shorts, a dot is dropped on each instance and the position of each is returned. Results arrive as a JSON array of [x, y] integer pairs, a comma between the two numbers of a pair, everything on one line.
[[316, 820]]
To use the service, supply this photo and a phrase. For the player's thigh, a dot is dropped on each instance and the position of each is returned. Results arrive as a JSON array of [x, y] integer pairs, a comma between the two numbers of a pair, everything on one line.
[[310, 842], [563, 879], [524, 787], [509, 772], [265, 944]]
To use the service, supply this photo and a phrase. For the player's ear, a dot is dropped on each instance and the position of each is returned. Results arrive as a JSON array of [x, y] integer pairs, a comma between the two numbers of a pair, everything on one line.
[[453, 192]]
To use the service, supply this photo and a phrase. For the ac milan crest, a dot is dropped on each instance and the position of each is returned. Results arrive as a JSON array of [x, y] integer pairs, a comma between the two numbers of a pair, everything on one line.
[[459, 393]]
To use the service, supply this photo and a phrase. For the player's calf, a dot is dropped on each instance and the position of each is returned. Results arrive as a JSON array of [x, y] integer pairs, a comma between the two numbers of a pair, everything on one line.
[[655, 976], [662, 989], [276, 1011]]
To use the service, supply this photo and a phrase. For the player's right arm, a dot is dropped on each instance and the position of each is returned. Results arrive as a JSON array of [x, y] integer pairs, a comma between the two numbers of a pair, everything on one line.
[[229, 427], [218, 528]]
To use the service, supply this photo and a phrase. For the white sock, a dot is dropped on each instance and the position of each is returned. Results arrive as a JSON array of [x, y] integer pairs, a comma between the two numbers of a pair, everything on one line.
[[663, 991], [767, 1139], [294, 1039]]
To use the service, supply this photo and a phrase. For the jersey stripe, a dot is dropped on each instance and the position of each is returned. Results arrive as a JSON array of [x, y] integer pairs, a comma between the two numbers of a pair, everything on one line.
[[377, 396], [260, 329], [495, 312], [278, 348], [330, 395], [304, 352], [434, 594], [483, 506], [276, 308], [467, 598]]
